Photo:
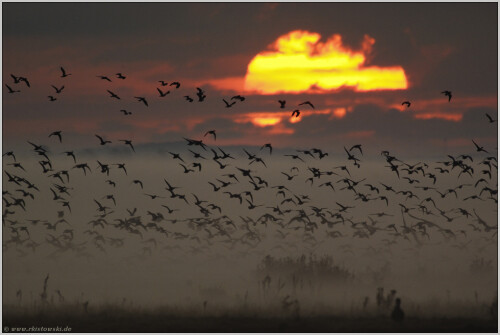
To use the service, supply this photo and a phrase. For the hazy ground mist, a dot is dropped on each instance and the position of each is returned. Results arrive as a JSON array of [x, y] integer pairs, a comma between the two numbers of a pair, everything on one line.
[[193, 268]]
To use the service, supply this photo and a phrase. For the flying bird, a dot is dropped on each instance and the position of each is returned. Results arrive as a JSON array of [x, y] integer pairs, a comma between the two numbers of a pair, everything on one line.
[[296, 113], [51, 98], [211, 132], [128, 142], [104, 78], [407, 103], [113, 95], [307, 103], [58, 90], [103, 142], [267, 145], [58, 134], [228, 104], [11, 90], [163, 83], [282, 103], [188, 98], [478, 148], [120, 76], [63, 73], [176, 84], [142, 99], [487, 115], [125, 112], [448, 94], [162, 94], [238, 97]]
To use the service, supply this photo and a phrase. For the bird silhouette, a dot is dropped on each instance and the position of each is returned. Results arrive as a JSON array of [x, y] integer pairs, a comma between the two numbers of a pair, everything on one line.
[[104, 78], [479, 148], [228, 104], [307, 103], [58, 90], [238, 97], [113, 95], [128, 142], [120, 76], [490, 118], [448, 94], [143, 100], [296, 113], [407, 103], [58, 134], [63, 73], [162, 94], [11, 90], [102, 141], [267, 145], [212, 132]]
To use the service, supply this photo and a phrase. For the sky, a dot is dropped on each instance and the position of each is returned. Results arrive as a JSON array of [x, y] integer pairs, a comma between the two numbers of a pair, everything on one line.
[[356, 63], [343, 70]]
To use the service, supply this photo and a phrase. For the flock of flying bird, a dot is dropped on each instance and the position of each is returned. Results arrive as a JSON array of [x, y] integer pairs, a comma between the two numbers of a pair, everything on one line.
[[411, 209]]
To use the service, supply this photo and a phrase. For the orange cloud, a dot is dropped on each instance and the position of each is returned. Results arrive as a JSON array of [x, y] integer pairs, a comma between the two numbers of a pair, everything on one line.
[[449, 117], [297, 62]]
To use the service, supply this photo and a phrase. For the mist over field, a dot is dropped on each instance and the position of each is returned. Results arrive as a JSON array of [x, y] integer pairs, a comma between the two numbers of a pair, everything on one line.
[[210, 262]]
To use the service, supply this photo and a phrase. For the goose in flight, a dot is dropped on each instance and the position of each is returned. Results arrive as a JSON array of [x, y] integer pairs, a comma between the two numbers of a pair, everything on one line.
[[267, 145], [104, 78], [103, 142], [58, 134], [296, 113], [51, 98], [188, 98], [63, 73], [142, 99], [16, 79], [478, 148], [176, 156], [125, 112], [10, 153], [238, 97], [58, 90], [357, 146], [282, 103], [295, 157], [11, 90], [307, 103], [487, 115], [211, 132], [120, 76], [121, 166], [128, 142], [162, 94], [448, 94], [25, 81], [163, 83], [138, 182], [176, 84], [228, 104], [407, 103], [113, 95], [201, 94]]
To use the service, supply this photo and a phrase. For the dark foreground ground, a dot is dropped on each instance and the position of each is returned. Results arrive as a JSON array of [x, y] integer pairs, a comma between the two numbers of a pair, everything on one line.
[[123, 321]]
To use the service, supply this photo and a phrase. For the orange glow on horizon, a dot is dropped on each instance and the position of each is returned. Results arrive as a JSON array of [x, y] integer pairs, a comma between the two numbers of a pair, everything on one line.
[[448, 117], [298, 62]]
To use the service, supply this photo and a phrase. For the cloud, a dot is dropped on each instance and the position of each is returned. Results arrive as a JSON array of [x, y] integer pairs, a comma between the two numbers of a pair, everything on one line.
[[298, 61]]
